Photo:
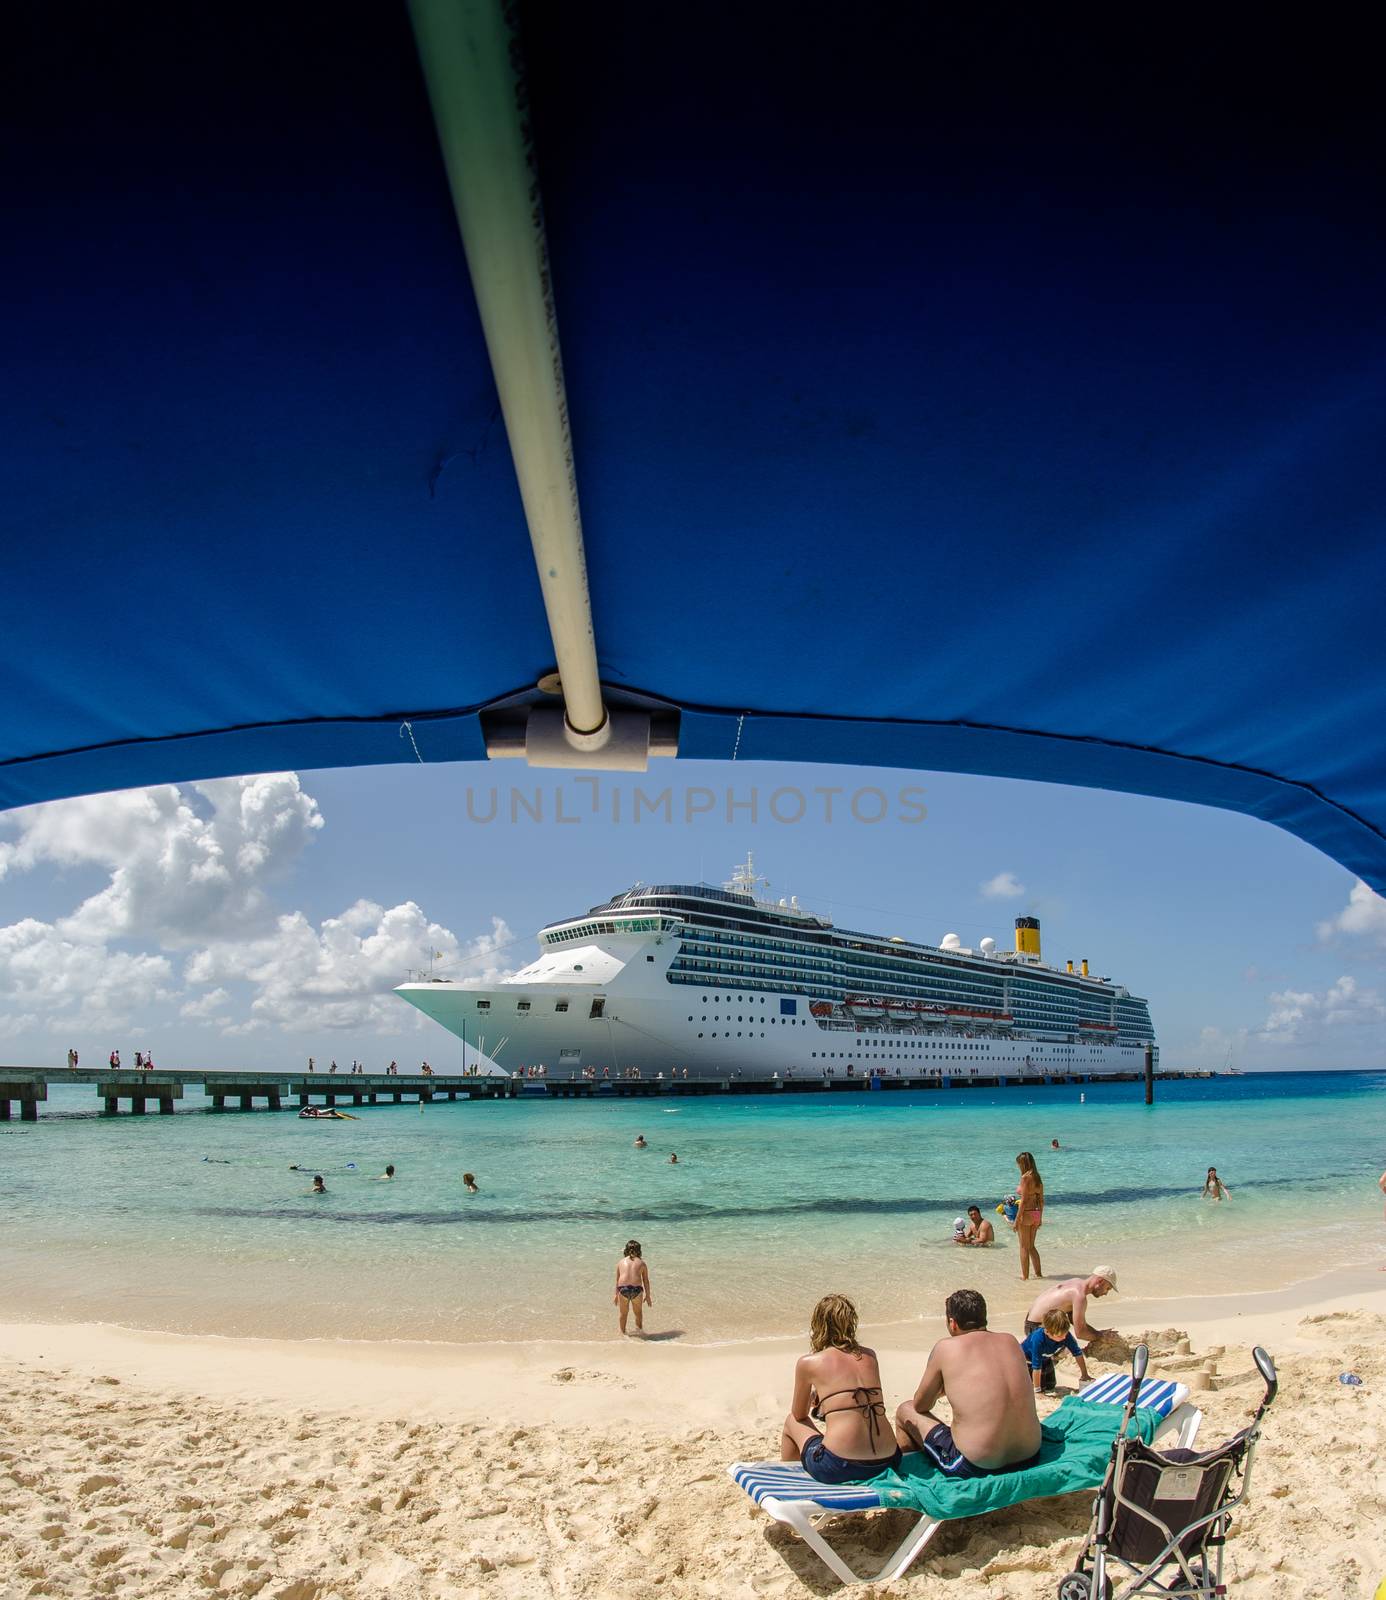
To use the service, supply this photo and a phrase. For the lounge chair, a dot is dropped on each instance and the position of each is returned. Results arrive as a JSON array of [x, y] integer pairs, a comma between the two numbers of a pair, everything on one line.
[[787, 1493]]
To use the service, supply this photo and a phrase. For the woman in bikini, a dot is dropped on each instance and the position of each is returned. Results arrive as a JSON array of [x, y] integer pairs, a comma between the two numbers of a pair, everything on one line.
[[1214, 1188], [632, 1286], [1029, 1217], [837, 1426]]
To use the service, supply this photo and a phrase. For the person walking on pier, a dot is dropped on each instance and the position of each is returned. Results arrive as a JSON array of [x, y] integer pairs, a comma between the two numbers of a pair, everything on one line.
[[115, 1060], [71, 1060], [311, 1067]]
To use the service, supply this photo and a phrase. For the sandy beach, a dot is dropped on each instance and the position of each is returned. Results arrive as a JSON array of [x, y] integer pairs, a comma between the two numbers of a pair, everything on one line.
[[136, 1464]]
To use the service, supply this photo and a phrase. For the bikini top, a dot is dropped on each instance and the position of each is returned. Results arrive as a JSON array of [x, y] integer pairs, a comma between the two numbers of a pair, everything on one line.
[[869, 1406]]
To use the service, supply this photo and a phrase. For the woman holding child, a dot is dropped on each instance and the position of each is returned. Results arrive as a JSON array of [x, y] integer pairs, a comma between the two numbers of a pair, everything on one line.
[[837, 1426]]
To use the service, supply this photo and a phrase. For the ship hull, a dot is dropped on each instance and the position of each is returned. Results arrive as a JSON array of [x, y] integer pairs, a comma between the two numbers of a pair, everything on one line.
[[744, 1036]]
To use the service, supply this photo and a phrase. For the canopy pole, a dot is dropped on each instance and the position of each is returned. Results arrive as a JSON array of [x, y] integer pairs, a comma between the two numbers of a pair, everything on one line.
[[471, 63]]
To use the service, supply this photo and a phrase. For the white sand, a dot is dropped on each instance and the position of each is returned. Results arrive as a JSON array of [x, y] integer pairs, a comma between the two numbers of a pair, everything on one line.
[[136, 1464]]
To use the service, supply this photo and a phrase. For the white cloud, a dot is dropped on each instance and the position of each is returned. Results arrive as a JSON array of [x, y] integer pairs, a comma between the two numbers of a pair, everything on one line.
[[1300, 1016], [1004, 886], [208, 1007], [191, 869], [1363, 916], [185, 865], [340, 974], [64, 983]]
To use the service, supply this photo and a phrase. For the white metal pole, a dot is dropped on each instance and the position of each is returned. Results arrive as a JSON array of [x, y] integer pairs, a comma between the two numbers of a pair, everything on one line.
[[470, 63]]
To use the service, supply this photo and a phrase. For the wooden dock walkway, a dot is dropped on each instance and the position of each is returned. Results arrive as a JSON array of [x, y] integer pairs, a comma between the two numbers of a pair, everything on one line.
[[27, 1087]]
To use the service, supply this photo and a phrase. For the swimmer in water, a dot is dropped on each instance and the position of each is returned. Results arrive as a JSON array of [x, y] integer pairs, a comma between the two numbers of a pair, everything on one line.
[[640, 1142], [386, 1176], [1214, 1188], [673, 1159], [469, 1183], [1053, 1144], [319, 1187]]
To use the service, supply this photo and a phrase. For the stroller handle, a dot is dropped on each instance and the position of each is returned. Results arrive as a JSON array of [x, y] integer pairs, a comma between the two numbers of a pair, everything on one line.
[[1266, 1367], [1140, 1361]]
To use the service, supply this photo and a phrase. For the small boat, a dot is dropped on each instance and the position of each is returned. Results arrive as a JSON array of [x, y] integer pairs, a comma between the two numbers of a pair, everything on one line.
[[324, 1114]]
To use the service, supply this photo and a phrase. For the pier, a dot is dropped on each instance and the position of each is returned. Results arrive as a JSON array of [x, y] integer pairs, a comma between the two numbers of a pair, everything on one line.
[[26, 1088]]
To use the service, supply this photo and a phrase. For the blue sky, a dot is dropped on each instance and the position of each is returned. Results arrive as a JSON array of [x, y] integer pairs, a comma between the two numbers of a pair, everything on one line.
[[257, 921]]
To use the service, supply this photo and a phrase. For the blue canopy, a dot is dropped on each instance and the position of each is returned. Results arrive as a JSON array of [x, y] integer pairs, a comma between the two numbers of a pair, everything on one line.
[[947, 391]]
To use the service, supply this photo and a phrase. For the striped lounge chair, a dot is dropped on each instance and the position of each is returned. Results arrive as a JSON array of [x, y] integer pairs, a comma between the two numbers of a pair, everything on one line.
[[784, 1491]]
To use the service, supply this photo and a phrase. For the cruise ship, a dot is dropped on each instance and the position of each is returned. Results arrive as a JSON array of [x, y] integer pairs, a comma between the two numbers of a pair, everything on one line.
[[695, 981]]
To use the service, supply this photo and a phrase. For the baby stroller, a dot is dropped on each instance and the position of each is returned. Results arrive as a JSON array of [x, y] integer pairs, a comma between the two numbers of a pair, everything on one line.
[[1166, 1509]]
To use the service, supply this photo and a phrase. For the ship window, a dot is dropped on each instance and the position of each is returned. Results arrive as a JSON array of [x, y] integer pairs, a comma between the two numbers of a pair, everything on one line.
[[483, 1005], [598, 1008], [560, 1005], [649, 958]]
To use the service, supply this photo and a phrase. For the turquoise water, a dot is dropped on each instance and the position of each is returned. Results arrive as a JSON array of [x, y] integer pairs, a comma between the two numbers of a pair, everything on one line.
[[773, 1201]]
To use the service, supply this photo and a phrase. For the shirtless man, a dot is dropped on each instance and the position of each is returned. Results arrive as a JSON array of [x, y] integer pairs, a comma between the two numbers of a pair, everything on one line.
[[1071, 1295], [632, 1285], [979, 1230], [984, 1377]]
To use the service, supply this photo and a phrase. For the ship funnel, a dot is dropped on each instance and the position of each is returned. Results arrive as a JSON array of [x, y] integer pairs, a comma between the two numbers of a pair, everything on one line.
[[1070, 966], [1085, 966], [1027, 936]]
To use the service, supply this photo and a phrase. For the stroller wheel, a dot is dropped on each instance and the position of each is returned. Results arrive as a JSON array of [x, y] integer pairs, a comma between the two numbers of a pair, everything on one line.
[[1079, 1586]]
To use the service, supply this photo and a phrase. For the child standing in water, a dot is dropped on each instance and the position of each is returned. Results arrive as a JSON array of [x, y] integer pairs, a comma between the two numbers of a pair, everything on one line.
[[1214, 1188], [632, 1285]]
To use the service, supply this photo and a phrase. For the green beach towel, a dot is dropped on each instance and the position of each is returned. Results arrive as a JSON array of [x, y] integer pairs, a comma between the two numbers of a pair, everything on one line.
[[1076, 1445]]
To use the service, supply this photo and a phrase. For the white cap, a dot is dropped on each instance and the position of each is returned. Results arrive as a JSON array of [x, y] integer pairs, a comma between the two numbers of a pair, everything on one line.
[[1109, 1273], [959, 1224]]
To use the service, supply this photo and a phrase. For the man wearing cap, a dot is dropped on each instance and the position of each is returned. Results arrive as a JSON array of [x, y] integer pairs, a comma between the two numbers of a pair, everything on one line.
[[1071, 1295]]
